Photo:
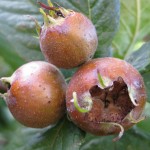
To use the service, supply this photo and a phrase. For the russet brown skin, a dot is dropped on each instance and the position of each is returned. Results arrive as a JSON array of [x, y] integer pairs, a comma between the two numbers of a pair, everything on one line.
[[70, 43], [36, 97], [86, 77]]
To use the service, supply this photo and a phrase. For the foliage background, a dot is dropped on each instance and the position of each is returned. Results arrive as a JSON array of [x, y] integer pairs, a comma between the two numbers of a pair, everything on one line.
[[130, 41]]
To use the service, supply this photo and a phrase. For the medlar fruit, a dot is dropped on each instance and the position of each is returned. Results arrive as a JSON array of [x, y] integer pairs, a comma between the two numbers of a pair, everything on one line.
[[106, 96], [67, 38], [36, 94]]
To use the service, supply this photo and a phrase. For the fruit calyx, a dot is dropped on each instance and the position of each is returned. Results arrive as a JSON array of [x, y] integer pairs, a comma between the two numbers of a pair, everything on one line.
[[53, 15], [115, 95], [115, 104], [6, 83], [87, 103], [3, 88], [52, 8]]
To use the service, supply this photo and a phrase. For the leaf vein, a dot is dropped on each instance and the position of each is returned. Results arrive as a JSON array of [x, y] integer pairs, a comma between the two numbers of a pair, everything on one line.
[[57, 133], [138, 22]]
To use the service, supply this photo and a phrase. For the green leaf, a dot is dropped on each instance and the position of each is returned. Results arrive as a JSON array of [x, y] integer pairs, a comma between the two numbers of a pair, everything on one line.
[[134, 26], [63, 136], [134, 139], [146, 77], [144, 125], [140, 59], [17, 44], [7, 51], [105, 16], [5, 69]]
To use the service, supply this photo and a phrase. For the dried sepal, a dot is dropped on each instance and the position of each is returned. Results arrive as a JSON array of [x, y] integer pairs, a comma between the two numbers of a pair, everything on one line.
[[100, 79], [133, 120], [77, 106], [109, 125], [131, 94]]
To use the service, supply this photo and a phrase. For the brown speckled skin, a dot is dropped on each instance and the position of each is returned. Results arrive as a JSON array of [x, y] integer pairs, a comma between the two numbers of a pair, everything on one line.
[[37, 94], [86, 77], [71, 43]]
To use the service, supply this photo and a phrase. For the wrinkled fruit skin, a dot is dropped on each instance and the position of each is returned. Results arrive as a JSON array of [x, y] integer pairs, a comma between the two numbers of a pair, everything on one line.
[[117, 110], [36, 97], [70, 43]]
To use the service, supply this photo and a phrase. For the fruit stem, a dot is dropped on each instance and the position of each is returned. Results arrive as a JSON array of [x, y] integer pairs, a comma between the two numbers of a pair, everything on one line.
[[100, 79], [76, 104]]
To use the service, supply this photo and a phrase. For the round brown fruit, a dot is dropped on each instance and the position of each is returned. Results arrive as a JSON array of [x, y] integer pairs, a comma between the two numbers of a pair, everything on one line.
[[106, 96], [36, 94], [67, 38]]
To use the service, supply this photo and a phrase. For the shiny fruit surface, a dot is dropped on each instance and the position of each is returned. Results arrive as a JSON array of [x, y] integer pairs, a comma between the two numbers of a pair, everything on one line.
[[69, 40], [106, 96], [36, 94]]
